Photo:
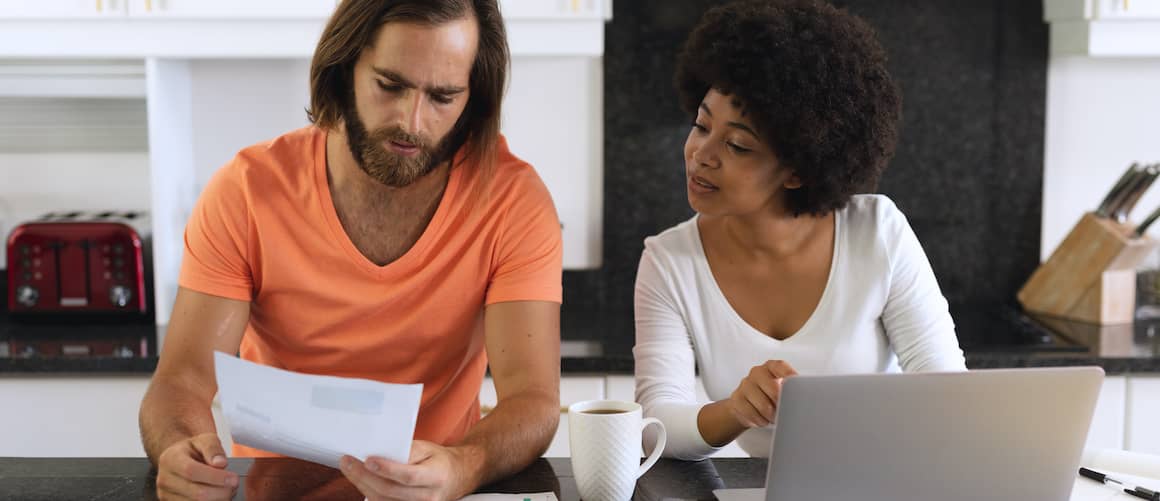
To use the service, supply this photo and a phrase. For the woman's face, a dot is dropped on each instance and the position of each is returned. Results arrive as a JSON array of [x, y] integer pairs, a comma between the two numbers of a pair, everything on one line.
[[729, 170]]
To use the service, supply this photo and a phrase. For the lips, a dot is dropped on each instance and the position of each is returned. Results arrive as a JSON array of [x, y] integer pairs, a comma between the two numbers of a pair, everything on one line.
[[402, 148], [703, 183], [700, 186]]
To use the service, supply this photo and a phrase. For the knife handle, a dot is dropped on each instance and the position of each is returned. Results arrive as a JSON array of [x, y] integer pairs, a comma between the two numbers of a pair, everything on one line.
[[1143, 227], [1136, 193], [1117, 191]]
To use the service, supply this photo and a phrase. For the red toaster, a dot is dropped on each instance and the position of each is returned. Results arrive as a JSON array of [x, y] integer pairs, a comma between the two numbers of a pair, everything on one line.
[[81, 262]]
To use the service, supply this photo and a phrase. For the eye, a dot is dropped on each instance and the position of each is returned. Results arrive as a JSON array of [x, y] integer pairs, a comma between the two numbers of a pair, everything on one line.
[[737, 149], [699, 127], [390, 87], [442, 98]]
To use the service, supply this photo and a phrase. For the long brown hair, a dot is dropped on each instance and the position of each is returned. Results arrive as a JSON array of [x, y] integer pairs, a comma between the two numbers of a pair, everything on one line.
[[353, 27]]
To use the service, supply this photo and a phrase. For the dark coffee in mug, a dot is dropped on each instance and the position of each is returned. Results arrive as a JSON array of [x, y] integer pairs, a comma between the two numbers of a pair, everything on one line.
[[604, 411]]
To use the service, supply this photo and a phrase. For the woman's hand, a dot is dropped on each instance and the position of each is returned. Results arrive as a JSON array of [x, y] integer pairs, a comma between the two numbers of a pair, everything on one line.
[[754, 403]]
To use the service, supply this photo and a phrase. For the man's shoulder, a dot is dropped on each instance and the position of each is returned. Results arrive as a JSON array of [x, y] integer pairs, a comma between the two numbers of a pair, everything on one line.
[[279, 166], [515, 179], [286, 155]]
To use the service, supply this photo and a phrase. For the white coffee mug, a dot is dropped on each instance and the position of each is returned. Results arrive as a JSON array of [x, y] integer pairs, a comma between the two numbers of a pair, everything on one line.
[[606, 444]]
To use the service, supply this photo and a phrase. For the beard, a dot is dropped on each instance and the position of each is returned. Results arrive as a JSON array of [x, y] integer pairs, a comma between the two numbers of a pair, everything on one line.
[[383, 165]]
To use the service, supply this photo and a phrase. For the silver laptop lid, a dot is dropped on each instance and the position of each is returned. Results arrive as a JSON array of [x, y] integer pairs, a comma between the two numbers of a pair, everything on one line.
[[992, 434]]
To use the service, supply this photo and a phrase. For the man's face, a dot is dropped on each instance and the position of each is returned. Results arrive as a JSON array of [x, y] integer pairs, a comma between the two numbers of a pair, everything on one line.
[[410, 87]]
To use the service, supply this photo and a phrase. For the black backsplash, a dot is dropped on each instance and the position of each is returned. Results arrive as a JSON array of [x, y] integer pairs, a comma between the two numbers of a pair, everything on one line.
[[968, 171]]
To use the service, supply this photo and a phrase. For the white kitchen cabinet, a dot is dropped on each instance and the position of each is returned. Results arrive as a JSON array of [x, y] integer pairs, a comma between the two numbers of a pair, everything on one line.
[[563, 140], [1107, 428], [554, 9], [233, 9], [253, 28], [92, 416], [1104, 28], [1126, 9], [572, 389], [1065, 10], [61, 9], [1143, 418], [277, 9]]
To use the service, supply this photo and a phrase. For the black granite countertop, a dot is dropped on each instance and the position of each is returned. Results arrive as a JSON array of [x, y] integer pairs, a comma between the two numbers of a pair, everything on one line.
[[992, 336], [114, 479]]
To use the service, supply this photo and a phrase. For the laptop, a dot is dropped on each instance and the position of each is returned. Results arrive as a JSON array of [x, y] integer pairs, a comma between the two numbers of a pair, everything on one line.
[[1009, 434]]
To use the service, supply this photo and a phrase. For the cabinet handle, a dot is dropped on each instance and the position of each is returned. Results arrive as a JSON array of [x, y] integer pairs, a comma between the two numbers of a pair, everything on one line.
[[99, 6], [148, 5]]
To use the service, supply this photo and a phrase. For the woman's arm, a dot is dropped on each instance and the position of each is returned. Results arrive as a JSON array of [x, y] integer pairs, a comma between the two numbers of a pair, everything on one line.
[[665, 380], [916, 317]]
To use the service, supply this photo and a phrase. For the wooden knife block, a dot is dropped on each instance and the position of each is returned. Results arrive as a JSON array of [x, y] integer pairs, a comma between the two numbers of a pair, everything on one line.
[[1091, 276]]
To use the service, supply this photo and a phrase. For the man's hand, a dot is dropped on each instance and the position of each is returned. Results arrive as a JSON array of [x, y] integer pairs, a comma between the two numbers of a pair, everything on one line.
[[434, 473], [754, 403], [195, 469]]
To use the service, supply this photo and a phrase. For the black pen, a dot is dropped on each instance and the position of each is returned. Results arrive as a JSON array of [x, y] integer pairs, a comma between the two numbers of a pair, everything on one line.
[[1136, 490]]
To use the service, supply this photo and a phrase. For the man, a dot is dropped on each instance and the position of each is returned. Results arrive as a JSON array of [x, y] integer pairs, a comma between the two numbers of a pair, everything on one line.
[[397, 239]]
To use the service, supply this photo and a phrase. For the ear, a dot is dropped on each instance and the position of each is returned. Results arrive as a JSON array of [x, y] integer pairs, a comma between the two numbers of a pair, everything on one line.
[[793, 182]]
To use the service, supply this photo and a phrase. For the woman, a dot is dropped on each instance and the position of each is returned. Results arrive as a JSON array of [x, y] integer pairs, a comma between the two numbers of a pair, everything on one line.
[[784, 270]]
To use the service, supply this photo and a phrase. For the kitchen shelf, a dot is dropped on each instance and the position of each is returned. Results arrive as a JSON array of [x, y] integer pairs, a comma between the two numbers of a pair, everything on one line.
[[57, 78]]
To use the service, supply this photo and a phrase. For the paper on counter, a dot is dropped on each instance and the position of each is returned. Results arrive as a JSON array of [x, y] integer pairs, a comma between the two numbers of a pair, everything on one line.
[[316, 418], [532, 496]]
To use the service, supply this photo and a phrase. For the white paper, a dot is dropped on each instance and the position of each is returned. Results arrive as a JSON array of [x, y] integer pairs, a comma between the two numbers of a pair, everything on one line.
[[316, 418], [531, 496]]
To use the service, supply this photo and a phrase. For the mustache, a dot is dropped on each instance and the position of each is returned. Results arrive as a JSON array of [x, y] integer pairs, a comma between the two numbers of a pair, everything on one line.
[[396, 134]]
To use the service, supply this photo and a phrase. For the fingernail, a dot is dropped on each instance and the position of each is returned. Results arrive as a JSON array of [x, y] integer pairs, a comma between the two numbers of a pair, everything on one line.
[[232, 481], [373, 465], [219, 459], [344, 463]]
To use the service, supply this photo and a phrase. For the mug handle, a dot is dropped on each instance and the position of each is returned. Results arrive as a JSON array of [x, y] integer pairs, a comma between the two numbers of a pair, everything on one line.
[[657, 449]]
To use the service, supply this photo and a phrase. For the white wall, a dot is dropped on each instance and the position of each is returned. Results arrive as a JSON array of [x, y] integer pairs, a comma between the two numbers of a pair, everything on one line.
[[237, 103], [1102, 115], [34, 183]]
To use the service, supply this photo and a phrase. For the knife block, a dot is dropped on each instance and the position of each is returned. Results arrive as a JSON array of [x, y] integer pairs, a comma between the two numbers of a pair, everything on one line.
[[1091, 276]]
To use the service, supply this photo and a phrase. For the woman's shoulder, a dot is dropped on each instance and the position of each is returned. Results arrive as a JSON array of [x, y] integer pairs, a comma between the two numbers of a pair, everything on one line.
[[673, 252], [873, 224], [873, 217], [876, 209], [681, 239]]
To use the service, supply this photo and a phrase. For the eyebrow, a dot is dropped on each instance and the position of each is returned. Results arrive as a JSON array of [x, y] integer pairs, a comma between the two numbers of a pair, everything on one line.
[[735, 125], [394, 76]]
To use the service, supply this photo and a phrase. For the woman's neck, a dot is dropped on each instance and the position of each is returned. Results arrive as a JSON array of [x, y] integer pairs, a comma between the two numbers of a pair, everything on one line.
[[773, 236]]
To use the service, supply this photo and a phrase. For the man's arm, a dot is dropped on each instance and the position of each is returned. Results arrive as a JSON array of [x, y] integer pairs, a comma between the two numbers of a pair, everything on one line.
[[176, 408], [523, 351]]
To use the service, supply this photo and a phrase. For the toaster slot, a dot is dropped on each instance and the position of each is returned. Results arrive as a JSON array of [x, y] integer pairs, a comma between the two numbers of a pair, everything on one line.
[[72, 276]]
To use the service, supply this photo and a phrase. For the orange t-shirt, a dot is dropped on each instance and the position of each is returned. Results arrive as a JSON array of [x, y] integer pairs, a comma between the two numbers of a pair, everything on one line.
[[265, 230]]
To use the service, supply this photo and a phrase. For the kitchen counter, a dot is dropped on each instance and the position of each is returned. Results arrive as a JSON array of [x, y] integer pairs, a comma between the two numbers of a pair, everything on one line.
[[992, 337], [279, 478], [282, 478]]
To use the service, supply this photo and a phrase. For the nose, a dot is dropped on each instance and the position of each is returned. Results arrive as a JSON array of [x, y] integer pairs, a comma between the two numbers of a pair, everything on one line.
[[705, 154], [412, 109]]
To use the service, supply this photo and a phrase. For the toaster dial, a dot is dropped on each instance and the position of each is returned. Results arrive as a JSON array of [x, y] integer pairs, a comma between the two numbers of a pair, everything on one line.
[[120, 295], [27, 296]]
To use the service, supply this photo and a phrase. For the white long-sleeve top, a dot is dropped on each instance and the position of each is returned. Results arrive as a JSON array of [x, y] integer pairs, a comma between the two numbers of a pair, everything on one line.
[[881, 311]]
